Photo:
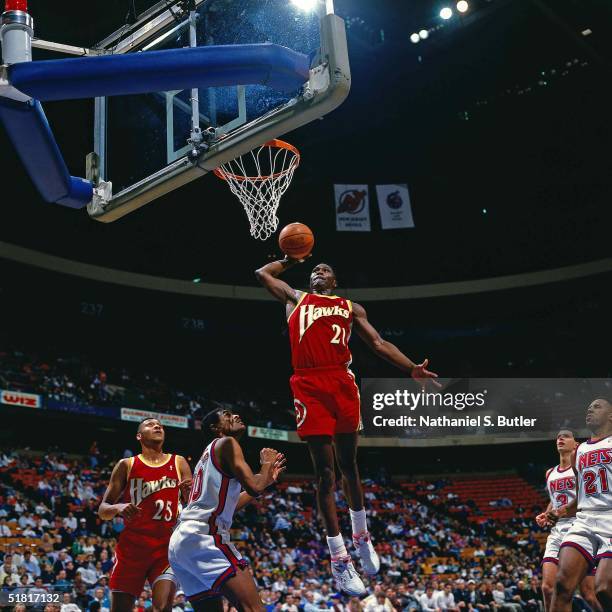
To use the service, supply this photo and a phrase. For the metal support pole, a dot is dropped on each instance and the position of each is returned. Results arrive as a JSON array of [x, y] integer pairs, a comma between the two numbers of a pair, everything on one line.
[[100, 115], [196, 132]]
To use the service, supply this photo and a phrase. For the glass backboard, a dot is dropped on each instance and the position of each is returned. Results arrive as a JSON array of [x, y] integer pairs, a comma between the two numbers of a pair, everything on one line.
[[145, 143]]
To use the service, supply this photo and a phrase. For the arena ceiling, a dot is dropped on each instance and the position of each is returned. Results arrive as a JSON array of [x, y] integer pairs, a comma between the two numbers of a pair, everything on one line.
[[498, 123]]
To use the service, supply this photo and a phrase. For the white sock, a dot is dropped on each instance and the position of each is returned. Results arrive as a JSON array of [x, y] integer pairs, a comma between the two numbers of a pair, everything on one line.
[[337, 548], [358, 520]]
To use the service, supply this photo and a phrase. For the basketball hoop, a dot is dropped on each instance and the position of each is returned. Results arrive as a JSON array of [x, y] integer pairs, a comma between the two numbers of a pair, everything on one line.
[[259, 179]]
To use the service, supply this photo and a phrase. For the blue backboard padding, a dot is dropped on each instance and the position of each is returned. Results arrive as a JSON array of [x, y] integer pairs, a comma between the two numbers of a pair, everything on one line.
[[79, 193], [152, 71], [29, 131]]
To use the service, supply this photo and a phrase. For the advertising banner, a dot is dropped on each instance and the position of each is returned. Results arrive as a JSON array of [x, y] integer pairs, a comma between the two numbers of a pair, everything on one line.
[[168, 420], [19, 398], [268, 434]]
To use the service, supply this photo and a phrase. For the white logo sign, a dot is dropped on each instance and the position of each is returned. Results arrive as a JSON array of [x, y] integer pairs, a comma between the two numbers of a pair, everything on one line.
[[18, 398], [394, 206], [352, 205]]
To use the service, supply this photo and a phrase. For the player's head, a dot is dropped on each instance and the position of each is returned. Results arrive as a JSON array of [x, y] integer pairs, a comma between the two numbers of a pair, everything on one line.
[[599, 416], [150, 433], [566, 441], [323, 279], [222, 422]]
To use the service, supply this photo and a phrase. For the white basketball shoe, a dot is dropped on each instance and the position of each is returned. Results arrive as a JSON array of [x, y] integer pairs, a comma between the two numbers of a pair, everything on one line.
[[365, 550], [346, 577]]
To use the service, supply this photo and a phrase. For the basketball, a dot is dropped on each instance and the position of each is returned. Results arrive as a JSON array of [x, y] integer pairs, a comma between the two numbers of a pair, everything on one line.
[[296, 240]]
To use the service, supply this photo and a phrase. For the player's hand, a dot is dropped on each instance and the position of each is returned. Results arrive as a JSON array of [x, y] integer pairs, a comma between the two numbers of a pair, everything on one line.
[[542, 520], [128, 511], [267, 455], [292, 261], [423, 376], [554, 515], [279, 466], [185, 488]]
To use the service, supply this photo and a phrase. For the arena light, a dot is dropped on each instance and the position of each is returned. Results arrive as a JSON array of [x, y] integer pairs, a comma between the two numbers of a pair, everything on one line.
[[305, 5], [423, 34], [414, 37], [462, 6], [446, 12]]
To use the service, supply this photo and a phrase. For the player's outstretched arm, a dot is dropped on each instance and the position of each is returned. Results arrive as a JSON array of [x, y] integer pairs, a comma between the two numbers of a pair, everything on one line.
[[268, 276], [280, 465], [231, 457], [109, 508], [387, 350]]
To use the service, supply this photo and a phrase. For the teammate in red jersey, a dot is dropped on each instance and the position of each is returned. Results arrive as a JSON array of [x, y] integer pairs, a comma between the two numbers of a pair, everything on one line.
[[326, 400], [145, 491]]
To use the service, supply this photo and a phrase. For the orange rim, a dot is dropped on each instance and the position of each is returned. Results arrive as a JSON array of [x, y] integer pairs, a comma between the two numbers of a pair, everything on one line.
[[275, 143]]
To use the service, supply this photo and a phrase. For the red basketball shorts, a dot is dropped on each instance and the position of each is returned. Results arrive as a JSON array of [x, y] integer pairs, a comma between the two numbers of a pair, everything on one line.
[[326, 401], [138, 559]]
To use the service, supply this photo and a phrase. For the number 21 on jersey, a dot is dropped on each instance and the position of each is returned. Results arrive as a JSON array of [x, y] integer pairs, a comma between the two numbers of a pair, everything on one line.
[[595, 482], [339, 335]]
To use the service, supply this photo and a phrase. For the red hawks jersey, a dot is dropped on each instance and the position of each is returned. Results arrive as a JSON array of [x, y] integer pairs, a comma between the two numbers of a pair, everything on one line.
[[319, 331], [561, 487], [155, 490], [594, 466]]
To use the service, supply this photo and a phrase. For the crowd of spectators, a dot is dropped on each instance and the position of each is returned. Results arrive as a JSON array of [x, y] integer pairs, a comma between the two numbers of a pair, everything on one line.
[[75, 380], [431, 557]]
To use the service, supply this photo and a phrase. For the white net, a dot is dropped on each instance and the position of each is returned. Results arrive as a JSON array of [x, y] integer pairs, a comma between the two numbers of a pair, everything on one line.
[[259, 179]]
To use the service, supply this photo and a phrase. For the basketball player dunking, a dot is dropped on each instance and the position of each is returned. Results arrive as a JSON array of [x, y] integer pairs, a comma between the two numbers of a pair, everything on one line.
[[145, 491], [206, 563], [589, 539], [561, 487], [326, 400]]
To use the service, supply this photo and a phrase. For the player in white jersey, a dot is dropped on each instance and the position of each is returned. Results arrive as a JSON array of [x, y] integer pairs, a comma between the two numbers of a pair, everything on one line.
[[588, 541], [204, 560], [561, 488]]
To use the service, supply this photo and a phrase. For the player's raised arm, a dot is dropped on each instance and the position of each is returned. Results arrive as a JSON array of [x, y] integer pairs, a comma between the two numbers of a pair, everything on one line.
[[232, 460], [268, 276], [387, 350], [109, 508], [280, 465]]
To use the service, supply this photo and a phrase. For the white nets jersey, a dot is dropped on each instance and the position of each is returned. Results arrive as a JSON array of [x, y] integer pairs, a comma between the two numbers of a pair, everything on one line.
[[214, 494], [594, 466], [561, 487]]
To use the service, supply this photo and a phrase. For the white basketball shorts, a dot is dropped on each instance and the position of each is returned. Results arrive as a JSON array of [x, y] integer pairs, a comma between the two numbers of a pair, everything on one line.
[[591, 535], [202, 561]]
